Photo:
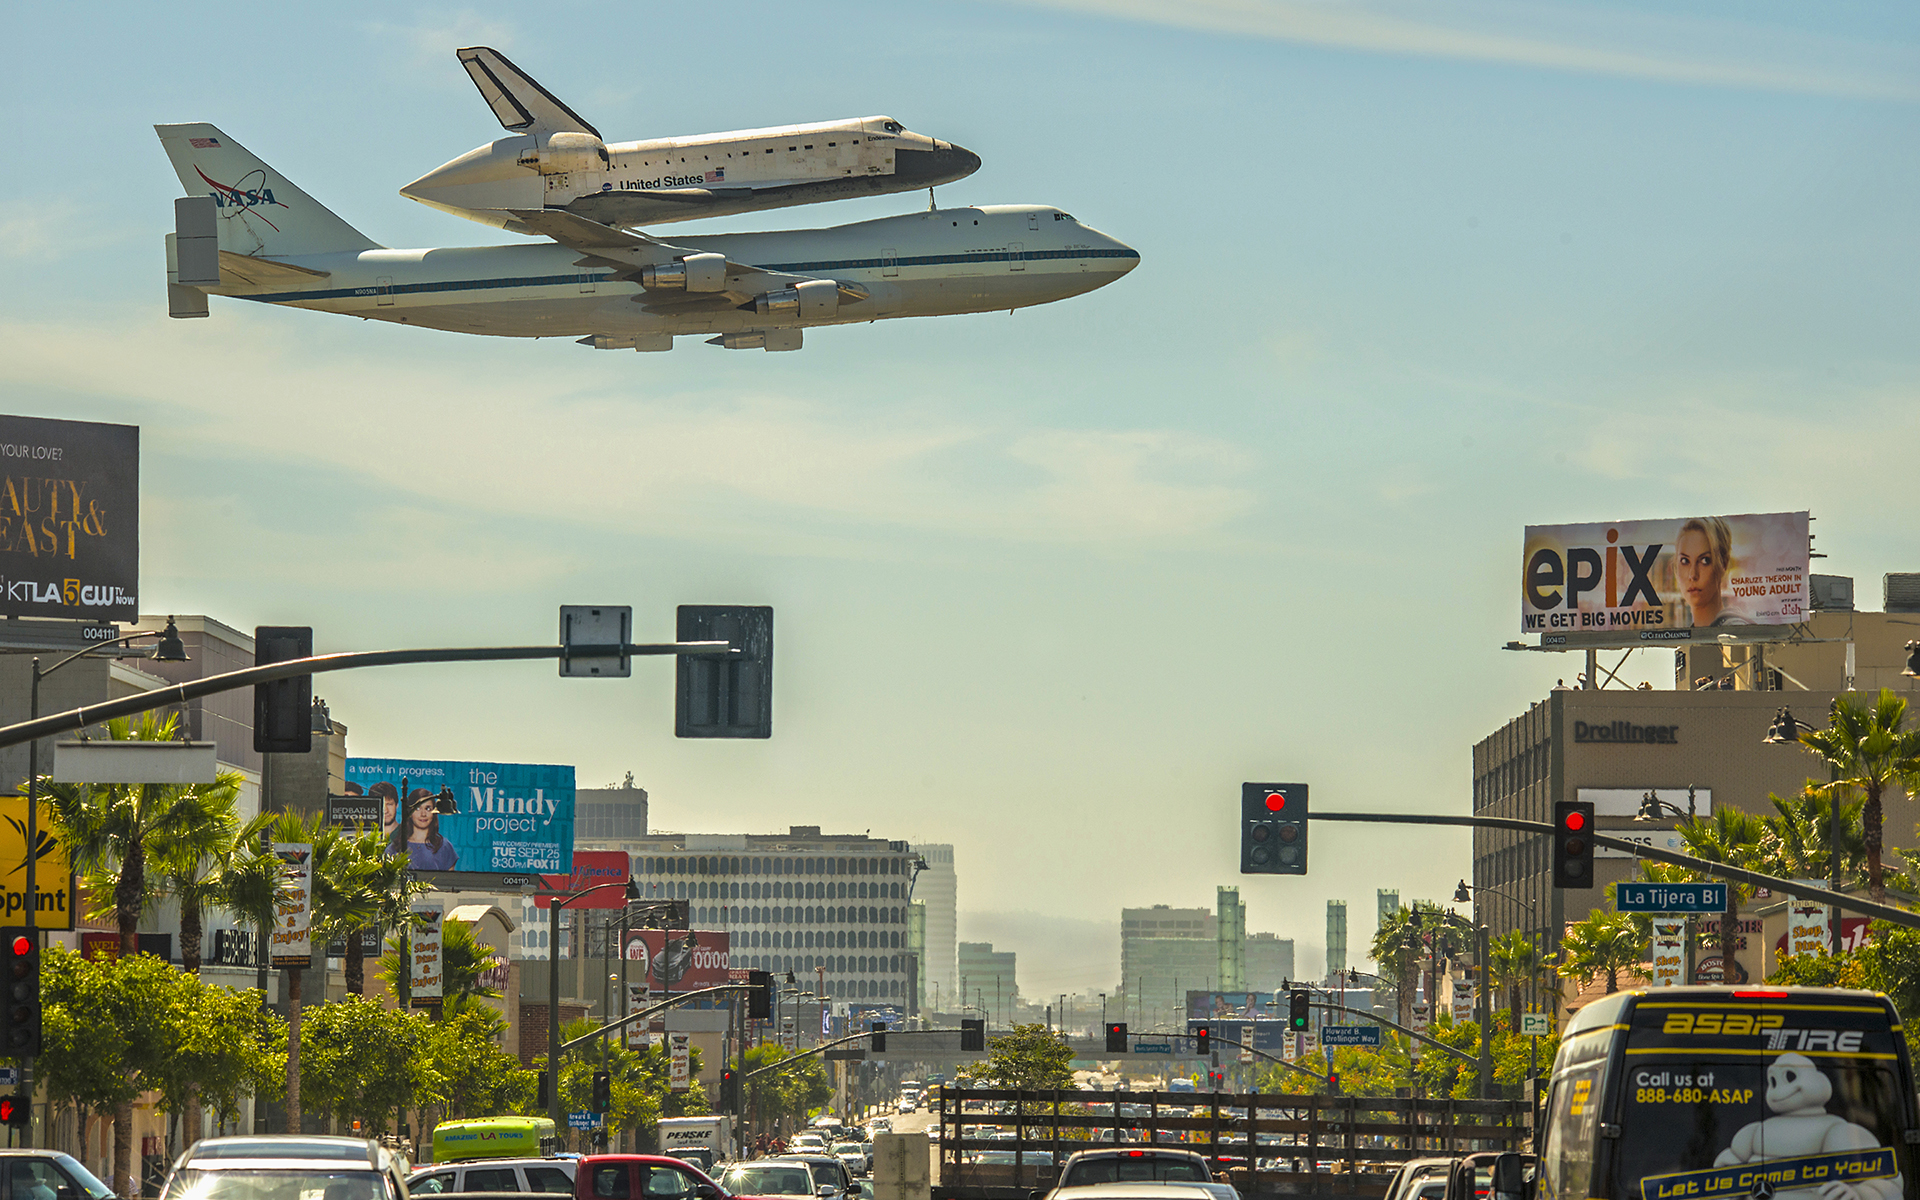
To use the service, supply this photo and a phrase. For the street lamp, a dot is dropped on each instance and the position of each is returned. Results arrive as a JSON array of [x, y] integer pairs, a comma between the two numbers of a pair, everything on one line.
[[1785, 729], [559, 902]]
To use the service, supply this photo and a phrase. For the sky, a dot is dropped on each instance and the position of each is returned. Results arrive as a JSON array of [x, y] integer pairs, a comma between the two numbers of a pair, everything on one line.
[[1048, 586]]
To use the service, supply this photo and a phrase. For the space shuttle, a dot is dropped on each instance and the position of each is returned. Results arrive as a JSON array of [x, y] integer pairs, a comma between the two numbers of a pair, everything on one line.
[[553, 160]]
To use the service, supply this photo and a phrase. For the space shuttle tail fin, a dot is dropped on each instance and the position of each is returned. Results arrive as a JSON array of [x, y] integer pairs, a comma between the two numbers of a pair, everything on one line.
[[522, 105], [258, 212]]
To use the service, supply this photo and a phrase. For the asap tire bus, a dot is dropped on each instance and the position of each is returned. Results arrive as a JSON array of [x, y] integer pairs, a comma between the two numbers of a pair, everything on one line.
[[1726, 1093]]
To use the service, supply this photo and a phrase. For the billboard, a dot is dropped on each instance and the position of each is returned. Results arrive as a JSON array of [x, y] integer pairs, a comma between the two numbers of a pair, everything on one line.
[[680, 961], [1646, 579], [69, 519], [52, 868], [1245, 1006], [590, 869], [512, 817]]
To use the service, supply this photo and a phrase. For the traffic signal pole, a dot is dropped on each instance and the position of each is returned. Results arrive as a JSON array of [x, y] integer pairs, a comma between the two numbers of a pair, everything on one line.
[[1883, 912]]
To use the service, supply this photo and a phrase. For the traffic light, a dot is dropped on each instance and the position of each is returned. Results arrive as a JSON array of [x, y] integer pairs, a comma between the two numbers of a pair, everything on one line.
[[724, 695], [20, 1013], [1273, 829], [760, 999], [540, 1089], [973, 1033], [729, 1091], [602, 1092], [283, 709], [1333, 1083], [1117, 1037], [1572, 844], [879, 1036], [1297, 1012], [16, 1111], [1202, 1039]]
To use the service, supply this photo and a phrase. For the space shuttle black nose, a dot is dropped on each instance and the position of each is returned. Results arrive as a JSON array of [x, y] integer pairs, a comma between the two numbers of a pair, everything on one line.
[[929, 168]]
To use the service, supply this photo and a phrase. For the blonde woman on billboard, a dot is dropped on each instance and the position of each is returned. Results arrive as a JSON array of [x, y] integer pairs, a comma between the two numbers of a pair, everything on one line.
[[1702, 559]]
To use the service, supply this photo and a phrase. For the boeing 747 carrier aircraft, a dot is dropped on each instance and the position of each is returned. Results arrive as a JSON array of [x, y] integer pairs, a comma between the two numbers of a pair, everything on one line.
[[558, 161], [244, 231]]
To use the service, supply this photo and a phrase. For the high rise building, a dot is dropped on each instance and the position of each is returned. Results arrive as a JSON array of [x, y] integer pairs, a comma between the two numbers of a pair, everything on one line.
[[917, 946], [1336, 936], [609, 818], [938, 886], [1386, 904], [1229, 938], [987, 980]]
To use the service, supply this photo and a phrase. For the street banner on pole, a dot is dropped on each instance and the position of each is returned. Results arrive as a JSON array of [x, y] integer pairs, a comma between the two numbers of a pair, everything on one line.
[[426, 985], [678, 1075], [1422, 1017], [293, 915], [1669, 952], [1807, 928], [636, 1000]]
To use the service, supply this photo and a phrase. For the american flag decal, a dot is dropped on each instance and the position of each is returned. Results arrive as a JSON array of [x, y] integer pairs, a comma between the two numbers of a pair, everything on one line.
[[717, 176], [204, 143]]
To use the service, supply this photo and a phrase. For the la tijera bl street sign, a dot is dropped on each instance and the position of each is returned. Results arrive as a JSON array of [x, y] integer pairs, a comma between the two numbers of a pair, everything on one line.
[[1670, 897]]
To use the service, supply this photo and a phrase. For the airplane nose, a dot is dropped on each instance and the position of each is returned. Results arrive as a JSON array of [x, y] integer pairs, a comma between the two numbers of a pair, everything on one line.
[[943, 164]]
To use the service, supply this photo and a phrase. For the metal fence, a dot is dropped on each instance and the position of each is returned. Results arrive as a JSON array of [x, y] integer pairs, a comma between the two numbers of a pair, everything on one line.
[[1004, 1145]]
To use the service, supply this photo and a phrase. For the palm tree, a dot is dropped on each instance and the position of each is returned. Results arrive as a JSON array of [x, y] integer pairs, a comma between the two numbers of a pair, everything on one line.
[[1605, 941], [115, 830], [1515, 961], [1798, 843], [392, 891], [1729, 836], [1397, 950], [1868, 749]]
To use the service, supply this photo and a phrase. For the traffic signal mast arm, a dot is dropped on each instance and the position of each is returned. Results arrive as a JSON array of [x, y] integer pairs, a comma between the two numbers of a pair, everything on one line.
[[1291, 1066], [1884, 912], [796, 1058], [682, 998], [180, 693], [1376, 1017]]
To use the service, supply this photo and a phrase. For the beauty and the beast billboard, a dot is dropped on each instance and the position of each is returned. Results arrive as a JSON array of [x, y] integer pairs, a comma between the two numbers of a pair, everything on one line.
[[1653, 577], [69, 519]]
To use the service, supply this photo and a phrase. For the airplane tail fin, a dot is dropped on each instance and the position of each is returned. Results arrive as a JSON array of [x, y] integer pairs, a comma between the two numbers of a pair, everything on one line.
[[259, 213], [522, 105]]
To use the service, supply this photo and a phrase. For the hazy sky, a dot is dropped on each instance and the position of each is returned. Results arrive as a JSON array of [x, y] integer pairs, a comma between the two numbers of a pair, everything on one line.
[[1048, 586]]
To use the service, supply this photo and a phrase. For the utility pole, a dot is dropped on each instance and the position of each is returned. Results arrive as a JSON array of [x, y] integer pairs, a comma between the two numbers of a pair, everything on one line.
[[1485, 1014]]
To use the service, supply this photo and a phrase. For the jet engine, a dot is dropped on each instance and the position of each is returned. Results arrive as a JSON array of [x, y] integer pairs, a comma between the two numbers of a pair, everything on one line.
[[694, 273], [567, 152], [814, 300]]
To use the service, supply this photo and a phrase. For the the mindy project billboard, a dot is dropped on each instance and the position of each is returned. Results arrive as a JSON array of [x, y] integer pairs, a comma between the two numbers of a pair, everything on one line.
[[69, 519], [512, 817]]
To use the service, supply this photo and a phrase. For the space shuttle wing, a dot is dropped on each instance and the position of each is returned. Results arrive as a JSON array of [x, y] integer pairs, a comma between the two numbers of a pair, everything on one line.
[[522, 105]]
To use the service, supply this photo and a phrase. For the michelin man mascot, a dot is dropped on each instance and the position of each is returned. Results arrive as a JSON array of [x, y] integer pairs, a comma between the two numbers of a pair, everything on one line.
[[1797, 1095]]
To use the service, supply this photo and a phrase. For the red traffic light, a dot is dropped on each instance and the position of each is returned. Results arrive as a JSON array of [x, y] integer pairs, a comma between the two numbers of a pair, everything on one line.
[[1576, 820], [22, 945], [1276, 801]]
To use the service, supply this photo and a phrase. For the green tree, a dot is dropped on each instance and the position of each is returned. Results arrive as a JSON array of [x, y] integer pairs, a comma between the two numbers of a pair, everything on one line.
[[1030, 1058], [1605, 943], [785, 1095], [361, 1060], [1868, 749], [479, 1079], [115, 830]]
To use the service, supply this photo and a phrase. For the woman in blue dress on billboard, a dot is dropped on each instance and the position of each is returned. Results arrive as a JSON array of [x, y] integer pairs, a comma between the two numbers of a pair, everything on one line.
[[1702, 559], [419, 836]]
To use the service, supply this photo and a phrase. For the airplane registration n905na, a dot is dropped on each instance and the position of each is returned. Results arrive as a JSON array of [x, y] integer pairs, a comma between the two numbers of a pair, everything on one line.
[[244, 231]]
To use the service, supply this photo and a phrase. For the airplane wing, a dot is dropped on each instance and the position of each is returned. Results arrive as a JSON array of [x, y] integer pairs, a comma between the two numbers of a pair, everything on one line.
[[627, 249], [265, 272], [522, 105]]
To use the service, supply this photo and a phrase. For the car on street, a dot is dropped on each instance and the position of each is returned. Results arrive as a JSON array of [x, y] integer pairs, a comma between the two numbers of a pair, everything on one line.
[[495, 1175], [1142, 1165], [809, 1143], [336, 1168], [905, 1105], [1413, 1178], [50, 1175], [642, 1177], [831, 1179], [851, 1154], [1133, 1191], [767, 1177]]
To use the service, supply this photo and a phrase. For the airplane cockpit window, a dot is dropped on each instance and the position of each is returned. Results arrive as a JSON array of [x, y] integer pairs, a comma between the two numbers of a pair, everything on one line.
[[892, 127], [1060, 216]]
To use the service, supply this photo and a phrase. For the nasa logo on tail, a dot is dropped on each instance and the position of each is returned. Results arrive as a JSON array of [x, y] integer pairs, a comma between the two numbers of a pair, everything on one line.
[[242, 195]]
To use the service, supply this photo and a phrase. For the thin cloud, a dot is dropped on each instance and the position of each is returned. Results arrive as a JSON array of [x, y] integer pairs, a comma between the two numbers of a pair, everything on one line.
[[1693, 52]]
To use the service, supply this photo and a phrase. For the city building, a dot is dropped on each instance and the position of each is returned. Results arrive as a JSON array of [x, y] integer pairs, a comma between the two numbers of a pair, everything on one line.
[[1698, 745], [917, 946], [1385, 904], [1336, 936], [938, 886], [1167, 952], [610, 818], [988, 981], [831, 908]]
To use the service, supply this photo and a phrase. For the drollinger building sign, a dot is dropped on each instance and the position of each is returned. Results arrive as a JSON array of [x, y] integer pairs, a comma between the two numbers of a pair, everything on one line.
[[1661, 579]]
